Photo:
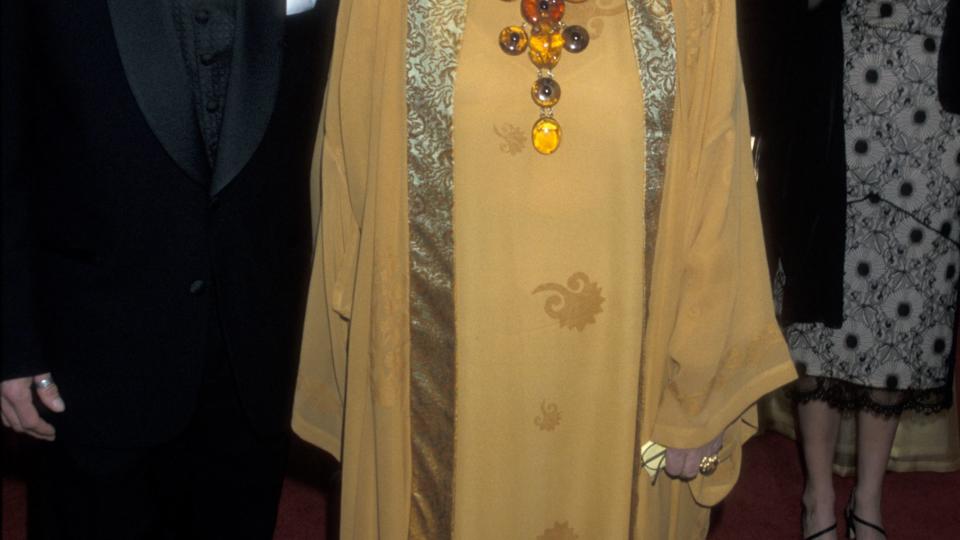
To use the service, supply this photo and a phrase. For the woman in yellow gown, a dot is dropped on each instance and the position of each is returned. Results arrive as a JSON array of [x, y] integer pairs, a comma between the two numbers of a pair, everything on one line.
[[493, 334]]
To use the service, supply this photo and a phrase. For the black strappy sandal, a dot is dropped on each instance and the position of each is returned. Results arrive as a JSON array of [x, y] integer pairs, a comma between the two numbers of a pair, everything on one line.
[[853, 519], [821, 533]]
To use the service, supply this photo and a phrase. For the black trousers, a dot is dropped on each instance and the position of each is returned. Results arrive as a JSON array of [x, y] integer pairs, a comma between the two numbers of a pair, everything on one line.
[[218, 479]]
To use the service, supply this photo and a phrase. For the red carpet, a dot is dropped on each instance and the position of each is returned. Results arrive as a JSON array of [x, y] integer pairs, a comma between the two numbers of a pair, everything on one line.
[[765, 505]]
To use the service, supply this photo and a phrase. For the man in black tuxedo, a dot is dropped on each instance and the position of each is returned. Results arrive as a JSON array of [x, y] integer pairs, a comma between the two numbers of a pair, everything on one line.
[[156, 241]]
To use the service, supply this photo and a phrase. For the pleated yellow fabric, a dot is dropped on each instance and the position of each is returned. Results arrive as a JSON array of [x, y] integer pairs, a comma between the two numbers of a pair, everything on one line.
[[550, 283]]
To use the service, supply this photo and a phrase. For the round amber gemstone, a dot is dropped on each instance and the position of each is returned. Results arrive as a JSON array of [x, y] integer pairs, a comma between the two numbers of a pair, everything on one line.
[[535, 11], [545, 49], [546, 136], [513, 40], [545, 92]]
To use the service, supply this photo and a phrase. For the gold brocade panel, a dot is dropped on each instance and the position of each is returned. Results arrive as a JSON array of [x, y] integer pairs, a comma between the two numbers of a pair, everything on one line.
[[433, 39]]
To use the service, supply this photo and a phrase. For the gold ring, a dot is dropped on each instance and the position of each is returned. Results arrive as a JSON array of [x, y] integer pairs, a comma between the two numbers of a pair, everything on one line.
[[708, 464]]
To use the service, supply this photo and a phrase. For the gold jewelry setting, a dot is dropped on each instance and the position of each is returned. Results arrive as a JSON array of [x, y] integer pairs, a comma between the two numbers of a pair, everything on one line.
[[544, 36]]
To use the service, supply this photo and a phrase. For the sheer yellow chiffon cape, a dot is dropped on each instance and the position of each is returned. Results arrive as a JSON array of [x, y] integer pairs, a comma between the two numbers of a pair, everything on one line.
[[713, 347]]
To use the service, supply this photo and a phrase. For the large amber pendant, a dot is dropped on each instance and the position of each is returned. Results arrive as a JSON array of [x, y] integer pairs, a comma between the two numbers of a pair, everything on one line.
[[546, 136], [544, 36]]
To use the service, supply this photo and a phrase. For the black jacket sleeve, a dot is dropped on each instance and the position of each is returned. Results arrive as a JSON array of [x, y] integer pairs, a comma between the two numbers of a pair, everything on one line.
[[20, 338]]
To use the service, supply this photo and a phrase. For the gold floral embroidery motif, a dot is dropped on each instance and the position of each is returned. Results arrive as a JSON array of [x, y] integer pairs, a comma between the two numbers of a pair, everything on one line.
[[559, 531], [575, 305], [549, 417], [513, 138]]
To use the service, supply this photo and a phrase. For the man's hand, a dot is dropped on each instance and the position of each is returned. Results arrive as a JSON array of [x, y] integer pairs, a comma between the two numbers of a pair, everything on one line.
[[20, 414], [685, 463]]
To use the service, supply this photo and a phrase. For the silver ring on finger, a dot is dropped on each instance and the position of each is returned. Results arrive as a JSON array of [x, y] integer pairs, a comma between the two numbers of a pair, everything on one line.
[[708, 464], [43, 383]]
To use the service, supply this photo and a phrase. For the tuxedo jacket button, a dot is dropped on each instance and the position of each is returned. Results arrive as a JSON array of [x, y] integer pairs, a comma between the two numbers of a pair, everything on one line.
[[197, 287]]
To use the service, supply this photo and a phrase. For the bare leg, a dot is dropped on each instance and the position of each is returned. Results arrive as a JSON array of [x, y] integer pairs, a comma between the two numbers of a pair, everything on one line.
[[819, 425], [875, 435]]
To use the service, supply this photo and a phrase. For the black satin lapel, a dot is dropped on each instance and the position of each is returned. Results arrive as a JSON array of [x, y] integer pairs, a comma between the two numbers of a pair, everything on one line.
[[252, 93], [153, 63]]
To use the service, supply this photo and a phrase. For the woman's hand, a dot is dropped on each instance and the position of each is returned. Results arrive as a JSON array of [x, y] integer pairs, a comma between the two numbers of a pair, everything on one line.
[[685, 463]]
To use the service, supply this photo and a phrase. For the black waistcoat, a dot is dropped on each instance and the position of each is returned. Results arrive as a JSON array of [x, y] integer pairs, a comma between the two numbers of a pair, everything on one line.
[[206, 29]]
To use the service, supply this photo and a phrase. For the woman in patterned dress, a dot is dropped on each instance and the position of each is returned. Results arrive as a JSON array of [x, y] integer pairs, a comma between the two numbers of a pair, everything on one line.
[[889, 348]]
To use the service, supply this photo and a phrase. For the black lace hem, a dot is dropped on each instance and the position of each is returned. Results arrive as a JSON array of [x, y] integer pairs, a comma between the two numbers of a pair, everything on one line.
[[851, 397]]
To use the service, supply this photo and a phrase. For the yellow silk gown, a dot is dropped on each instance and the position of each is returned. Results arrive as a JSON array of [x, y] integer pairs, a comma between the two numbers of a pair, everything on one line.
[[584, 302]]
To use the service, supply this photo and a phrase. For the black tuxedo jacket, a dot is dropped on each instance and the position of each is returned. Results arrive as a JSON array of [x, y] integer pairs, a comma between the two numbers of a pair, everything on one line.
[[119, 238]]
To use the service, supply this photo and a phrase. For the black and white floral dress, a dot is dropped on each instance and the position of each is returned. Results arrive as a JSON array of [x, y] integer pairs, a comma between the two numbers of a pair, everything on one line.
[[893, 351]]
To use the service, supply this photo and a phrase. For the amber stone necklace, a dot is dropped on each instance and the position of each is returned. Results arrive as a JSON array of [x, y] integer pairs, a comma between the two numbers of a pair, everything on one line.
[[544, 36]]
